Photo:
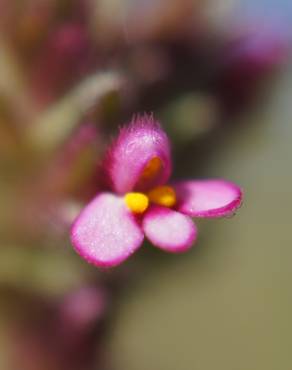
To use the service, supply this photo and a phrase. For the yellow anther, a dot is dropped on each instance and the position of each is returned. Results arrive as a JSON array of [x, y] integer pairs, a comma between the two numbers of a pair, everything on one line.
[[163, 195], [137, 202]]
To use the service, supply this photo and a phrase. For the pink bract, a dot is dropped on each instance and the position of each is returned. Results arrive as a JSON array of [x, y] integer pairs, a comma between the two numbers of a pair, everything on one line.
[[207, 198], [135, 146], [168, 229], [107, 232]]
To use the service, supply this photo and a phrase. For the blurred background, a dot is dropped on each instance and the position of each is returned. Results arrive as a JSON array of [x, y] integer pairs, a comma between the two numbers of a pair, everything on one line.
[[218, 75]]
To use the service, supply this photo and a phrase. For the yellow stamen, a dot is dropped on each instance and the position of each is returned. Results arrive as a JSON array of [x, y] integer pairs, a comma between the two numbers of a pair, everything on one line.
[[137, 202], [151, 169], [163, 195]]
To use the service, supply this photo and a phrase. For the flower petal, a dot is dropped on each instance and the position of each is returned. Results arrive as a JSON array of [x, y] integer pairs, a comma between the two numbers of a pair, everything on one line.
[[208, 198], [106, 233], [140, 157], [169, 230]]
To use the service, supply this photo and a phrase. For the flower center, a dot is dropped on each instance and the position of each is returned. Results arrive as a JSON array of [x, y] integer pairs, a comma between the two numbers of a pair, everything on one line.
[[161, 195], [137, 202]]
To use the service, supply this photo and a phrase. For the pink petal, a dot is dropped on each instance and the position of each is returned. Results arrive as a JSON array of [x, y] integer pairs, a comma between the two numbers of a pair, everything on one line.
[[106, 233], [128, 156], [168, 229], [208, 198]]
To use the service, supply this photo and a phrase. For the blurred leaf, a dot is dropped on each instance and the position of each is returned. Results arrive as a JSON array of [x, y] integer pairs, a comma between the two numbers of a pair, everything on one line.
[[189, 116], [50, 271], [57, 123]]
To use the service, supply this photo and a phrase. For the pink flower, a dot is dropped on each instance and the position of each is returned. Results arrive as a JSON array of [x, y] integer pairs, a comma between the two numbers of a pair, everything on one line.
[[112, 226], [255, 52], [66, 56]]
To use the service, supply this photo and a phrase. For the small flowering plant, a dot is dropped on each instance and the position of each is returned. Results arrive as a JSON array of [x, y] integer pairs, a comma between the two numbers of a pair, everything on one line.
[[142, 202]]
